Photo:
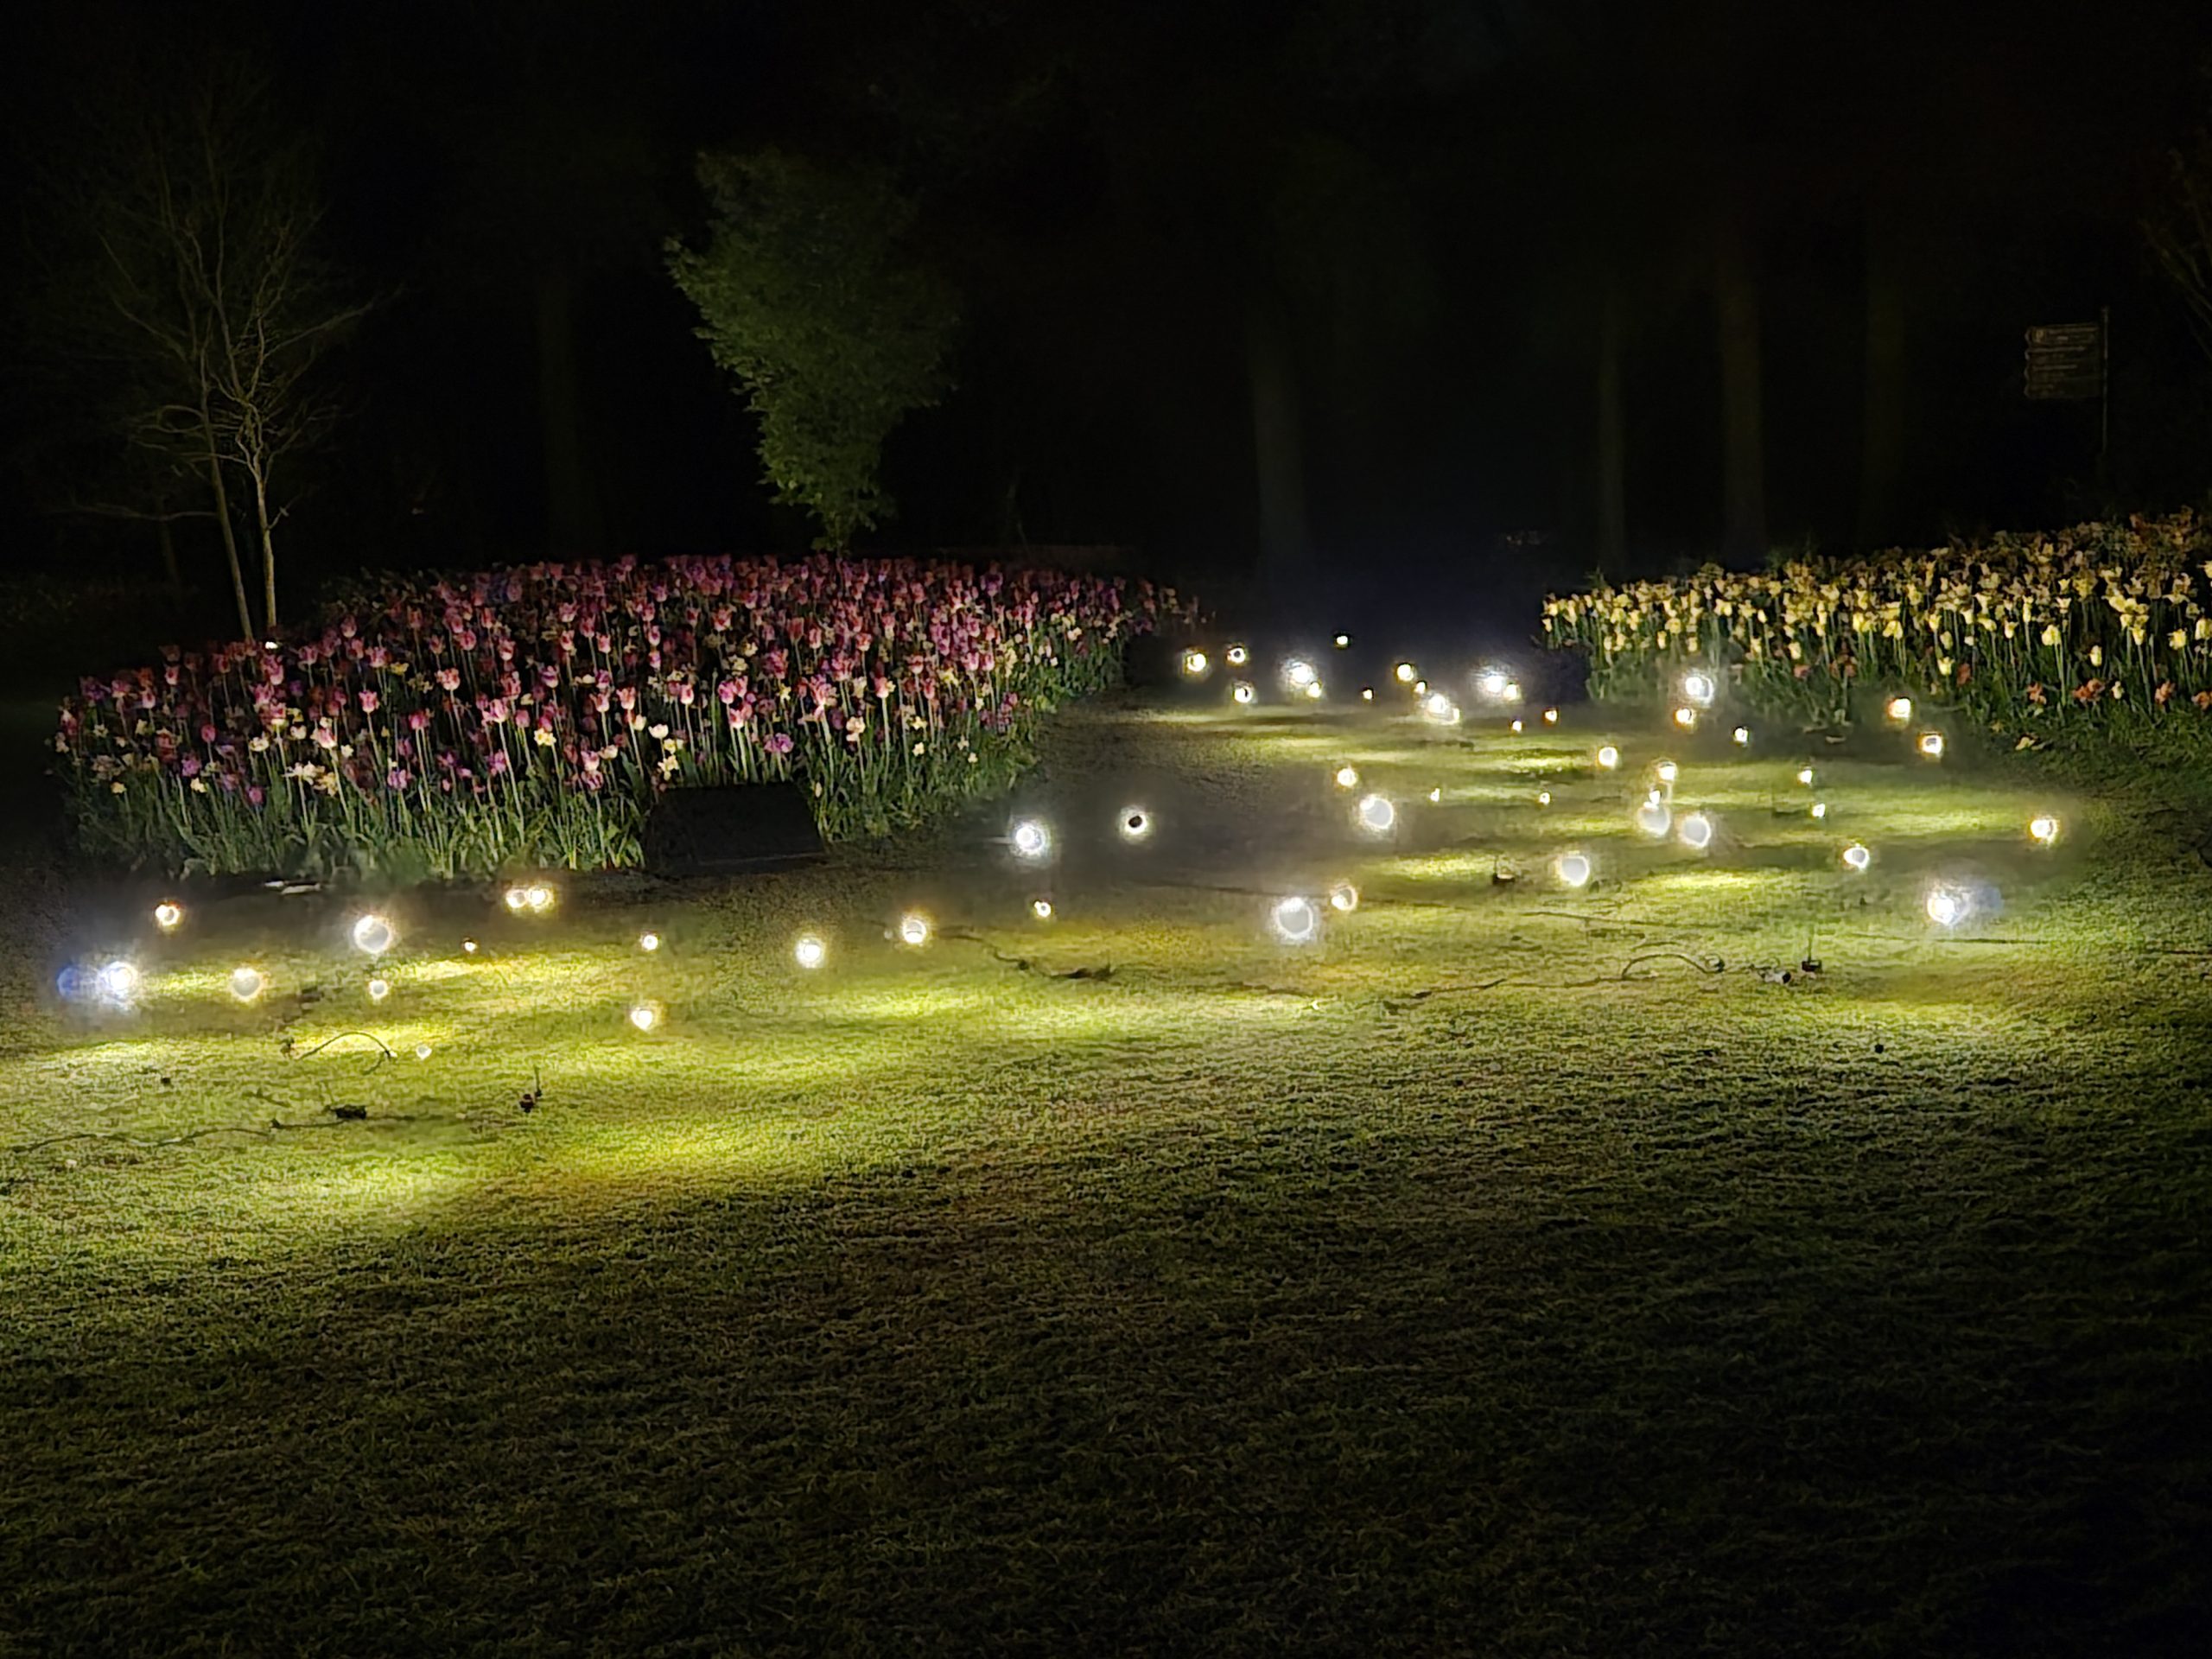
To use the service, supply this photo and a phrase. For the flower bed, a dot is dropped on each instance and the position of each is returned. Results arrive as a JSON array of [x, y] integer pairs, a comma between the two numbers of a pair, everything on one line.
[[529, 715], [2023, 630]]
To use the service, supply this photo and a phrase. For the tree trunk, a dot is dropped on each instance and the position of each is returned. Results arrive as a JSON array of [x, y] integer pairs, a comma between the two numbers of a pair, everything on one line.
[[567, 492], [230, 533], [171, 574], [268, 550], [1743, 461], [1613, 439], [1881, 454], [1286, 557]]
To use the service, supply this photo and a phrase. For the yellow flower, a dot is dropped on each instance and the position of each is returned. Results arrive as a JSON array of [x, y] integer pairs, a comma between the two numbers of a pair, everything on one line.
[[2097, 656], [2051, 634], [2179, 639]]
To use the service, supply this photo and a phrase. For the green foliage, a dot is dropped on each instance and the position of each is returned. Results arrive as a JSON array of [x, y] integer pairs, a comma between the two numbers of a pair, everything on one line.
[[812, 296]]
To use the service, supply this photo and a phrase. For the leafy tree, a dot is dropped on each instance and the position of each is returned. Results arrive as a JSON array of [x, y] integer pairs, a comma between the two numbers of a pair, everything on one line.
[[811, 294], [185, 312]]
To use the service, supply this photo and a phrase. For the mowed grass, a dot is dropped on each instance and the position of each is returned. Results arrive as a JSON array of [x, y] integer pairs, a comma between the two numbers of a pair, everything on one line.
[[1495, 1274]]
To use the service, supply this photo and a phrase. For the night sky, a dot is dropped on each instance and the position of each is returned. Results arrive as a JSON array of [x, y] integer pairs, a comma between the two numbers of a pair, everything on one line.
[[1433, 208]]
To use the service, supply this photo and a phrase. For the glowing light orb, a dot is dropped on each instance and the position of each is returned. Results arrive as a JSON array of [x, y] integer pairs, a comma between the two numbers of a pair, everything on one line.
[[644, 1016], [1377, 814], [1899, 709], [1742, 735], [1695, 832], [379, 989], [1295, 921], [1820, 808], [809, 952], [422, 1050], [1932, 745], [1698, 689], [118, 980], [1347, 778], [168, 914], [1421, 688], [1344, 898], [1041, 909], [1343, 641], [469, 947], [1436, 796], [1609, 757], [1439, 707], [1515, 728], [2043, 829], [1686, 717], [1195, 664], [1805, 776], [1031, 840], [1244, 692], [246, 983], [1492, 681], [1543, 797], [914, 929], [540, 900], [374, 935], [1135, 823], [1299, 673], [1946, 906], [1856, 858], [1573, 869], [1236, 656], [1551, 716], [1367, 694], [649, 943], [1406, 673], [1513, 691], [1654, 817], [1313, 690], [1666, 771], [517, 899]]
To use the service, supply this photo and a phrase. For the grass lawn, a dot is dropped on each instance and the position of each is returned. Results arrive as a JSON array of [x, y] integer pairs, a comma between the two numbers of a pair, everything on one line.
[[1493, 1276]]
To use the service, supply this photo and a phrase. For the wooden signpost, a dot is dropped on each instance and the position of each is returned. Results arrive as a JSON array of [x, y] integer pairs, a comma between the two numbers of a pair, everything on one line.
[[2071, 362]]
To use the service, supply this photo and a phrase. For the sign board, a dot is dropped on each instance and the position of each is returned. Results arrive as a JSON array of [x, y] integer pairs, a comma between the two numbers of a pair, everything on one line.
[[2066, 361]]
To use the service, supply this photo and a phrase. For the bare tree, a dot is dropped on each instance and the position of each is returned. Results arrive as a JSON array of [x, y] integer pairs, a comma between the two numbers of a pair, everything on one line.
[[194, 311], [2181, 234]]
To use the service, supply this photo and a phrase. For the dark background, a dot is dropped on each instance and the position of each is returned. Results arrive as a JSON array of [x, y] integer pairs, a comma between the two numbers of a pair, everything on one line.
[[1427, 206]]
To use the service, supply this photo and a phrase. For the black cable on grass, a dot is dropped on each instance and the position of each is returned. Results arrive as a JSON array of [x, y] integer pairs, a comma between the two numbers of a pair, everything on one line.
[[383, 1052], [1023, 965], [340, 1117], [1717, 965]]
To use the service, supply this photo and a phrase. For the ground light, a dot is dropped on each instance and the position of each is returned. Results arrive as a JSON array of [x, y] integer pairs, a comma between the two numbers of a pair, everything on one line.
[[1742, 735], [1436, 796], [1805, 776], [2044, 830], [1698, 689], [1421, 688], [648, 943], [1492, 681], [168, 914], [1573, 869], [1666, 771], [1543, 797], [1134, 823], [374, 935], [1343, 897], [246, 983], [118, 980], [1440, 709], [1195, 664], [1236, 656], [1899, 709], [1376, 815], [1609, 757], [1243, 692], [1820, 809], [1695, 832], [379, 989], [1041, 909], [644, 1016], [1313, 690], [1686, 717], [1856, 858], [469, 947], [1367, 694], [1406, 673], [1299, 673], [1551, 716], [1295, 921], [810, 953], [1031, 840], [1653, 818], [1946, 906], [1343, 641], [517, 899], [1932, 745], [914, 929], [1347, 777], [422, 1050], [1515, 728]]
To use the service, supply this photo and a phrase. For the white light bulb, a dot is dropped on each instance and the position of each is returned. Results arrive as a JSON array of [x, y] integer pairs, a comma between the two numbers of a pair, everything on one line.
[[810, 953], [1666, 771], [246, 983], [1932, 745], [1857, 858], [644, 1016], [1377, 814], [517, 899], [1551, 716], [1299, 671], [1313, 690], [1820, 808], [1742, 734], [1609, 757], [1543, 797], [1946, 906], [1134, 823], [1573, 869], [1041, 909], [374, 935], [1242, 692], [1686, 717], [1347, 778], [540, 900], [1343, 897], [1900, 710], [1695, 832], [914, 929], [378, 989], [422, 1050], [648, 943], [1516, 728], [1406, 673], [1237, 656], [2045, 829], [1031, 840], [1367, 694], [118, 980], [1697, 688], [1492, 681], [1343, 641], [168, 914], [1194, 663], [1436, 796], [1296, 921], [1439, 707], [1805, 776], [469, 947]]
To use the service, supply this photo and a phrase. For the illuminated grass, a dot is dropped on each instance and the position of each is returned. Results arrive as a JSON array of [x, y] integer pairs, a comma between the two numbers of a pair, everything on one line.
[[1491, 1275]]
